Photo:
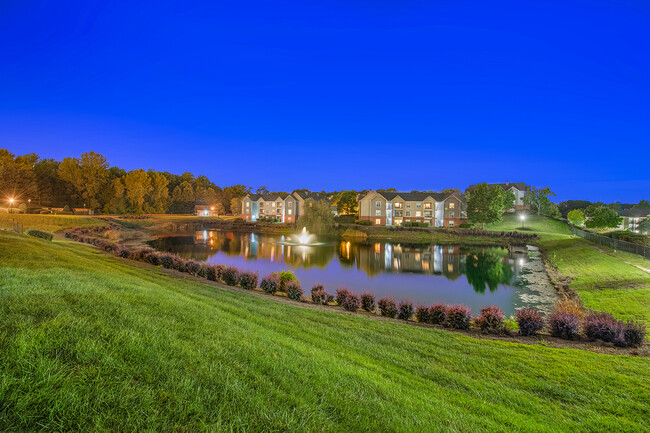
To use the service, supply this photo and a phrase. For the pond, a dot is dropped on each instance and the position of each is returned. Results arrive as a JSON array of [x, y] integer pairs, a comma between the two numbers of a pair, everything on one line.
[[425, 274]]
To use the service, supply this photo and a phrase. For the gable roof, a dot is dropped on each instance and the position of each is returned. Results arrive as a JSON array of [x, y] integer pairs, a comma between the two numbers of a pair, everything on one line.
[[413, 196], [266, 197], [644, 212], [316, 196]]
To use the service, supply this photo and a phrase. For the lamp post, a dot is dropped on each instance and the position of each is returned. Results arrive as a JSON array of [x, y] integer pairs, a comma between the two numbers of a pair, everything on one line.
[[522, 217], [11, 202]]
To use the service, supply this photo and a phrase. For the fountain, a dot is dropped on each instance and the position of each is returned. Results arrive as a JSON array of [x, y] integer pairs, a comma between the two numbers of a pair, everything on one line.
[[303, 238]]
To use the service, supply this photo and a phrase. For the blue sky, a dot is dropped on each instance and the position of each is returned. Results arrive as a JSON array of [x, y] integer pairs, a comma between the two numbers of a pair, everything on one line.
[[339, 94]]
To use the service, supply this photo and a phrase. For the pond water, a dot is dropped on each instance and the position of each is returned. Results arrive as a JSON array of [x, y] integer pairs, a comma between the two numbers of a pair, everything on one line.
[[425, 274]]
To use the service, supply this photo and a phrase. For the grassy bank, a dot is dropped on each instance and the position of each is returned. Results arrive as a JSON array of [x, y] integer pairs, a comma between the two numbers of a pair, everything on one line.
[[50, 223], [604, 280], [89, 343]]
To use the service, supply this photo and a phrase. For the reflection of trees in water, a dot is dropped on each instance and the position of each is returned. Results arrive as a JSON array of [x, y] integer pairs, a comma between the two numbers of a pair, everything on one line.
[[487, 268]]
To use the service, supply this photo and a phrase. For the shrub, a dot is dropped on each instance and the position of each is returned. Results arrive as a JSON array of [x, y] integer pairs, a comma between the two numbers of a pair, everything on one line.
[[368, 301], [285, 277], [351, 303], [319, 295], [490, 319], [270, 284], [633, 334], [364, 223], [248, 279], [422, 314], [230, 276], [567, 305], [294, 292], [387, 307], [40, 234], [465, 226], [140, 254], [152, 257], [405, 310], [203, 272], [341, 294], [193, 267], [167, 260], [212, 273], [180, 264], [564, 324], [458, 317], [530, 321], [414, 224], [121, 252], [602, 326], [438, 314]]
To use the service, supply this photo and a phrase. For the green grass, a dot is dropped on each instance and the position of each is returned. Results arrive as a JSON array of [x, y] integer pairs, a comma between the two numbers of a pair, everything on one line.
[[89, 343], [604, 280], [50, 223]]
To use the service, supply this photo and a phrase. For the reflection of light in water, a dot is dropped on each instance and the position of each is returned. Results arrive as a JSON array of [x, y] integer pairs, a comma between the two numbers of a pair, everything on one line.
[[521, 262], [205, 234]]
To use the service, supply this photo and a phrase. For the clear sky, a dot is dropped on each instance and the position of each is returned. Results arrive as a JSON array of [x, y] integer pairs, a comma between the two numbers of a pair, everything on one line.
[[338, 94]]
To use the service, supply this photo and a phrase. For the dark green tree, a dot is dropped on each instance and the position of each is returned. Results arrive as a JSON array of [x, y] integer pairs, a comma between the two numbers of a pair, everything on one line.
[[603, 217], [484, 205]]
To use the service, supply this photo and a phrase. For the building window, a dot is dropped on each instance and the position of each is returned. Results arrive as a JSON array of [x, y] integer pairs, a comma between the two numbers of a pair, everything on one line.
[[378, 221], [408, 213], [378, 203], [247, 204], [399, 205], [451, 205], [378, 212], [418, 213], [289, 211], [289, 204], [451, 223], [273, 204], [418, 205], [408, 205], [451, 214], [427, 205]]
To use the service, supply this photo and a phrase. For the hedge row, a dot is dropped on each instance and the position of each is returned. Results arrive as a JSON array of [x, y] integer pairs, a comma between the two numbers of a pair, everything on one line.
[[42, 234], [469, 232], [565, 322]]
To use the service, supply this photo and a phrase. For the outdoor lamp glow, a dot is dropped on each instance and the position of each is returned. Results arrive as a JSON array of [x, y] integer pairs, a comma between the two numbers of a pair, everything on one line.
[[522, 217], [11, 200]]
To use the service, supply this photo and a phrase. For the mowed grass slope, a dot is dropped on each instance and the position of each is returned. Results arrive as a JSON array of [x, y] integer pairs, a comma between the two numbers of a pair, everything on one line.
[[604, 280], [50, 223], [90, 343]]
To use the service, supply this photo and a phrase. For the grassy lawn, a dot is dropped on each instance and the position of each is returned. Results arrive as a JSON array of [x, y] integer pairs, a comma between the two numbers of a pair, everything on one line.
[[604, 280], [89, 343], [50, 223]]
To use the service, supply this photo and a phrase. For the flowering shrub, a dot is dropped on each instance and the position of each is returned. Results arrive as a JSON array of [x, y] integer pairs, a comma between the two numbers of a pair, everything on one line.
[[270, 284], [167, 260], [179, 263], [294, 291], [152, 257], [387, 307], [212, 273], [230, 276], [602, 326], [285, 277], [248, 279], [437, 314], [564, 324], [203, 272], [341, 294], [458, 317], [319, 295], [530, 321], [422, 314], [633, 334], [368, 301], [351, 303], [193, 267], [490, 319], [405, 310]]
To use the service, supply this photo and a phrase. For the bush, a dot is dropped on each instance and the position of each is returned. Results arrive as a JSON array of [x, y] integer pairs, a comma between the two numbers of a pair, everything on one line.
[[414, 224], [405, 310], [121, 252], [212, 273], [437, 314], [633, 334], [351, 303], [368, 301], [363, 223], [294, 292], [248, 279], [180, 264], [152, 257], [319, 295], [564, 324], [465, 226], [193, 267], [203, 272], [42, 234], [270, 284], [341, 294], [230, 276], [167, 260], [458, 317], [602, 326], [387, 307], [567, 305], [530, 321], [422, 314], [285, 277], [490, 319]]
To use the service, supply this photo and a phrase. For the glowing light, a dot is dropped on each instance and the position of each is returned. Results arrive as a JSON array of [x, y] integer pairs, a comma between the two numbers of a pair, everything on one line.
[[522, 217], [11, 200], [304, 236]]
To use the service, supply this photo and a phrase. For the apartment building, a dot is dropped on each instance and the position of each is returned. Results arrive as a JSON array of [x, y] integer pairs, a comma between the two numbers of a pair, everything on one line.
[[396, 208], [519, 189], [286, 207]]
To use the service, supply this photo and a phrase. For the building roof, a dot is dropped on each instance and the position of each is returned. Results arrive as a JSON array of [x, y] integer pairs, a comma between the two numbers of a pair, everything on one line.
[[521, 186], [267, 197], [316, 196], [414, 196], [643, 212]]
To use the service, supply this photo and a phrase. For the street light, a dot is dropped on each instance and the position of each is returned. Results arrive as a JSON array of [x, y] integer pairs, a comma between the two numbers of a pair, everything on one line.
[[522, 217], [11, 202]]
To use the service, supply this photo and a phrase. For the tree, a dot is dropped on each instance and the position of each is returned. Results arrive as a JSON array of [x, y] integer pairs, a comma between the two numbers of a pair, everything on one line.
[[508, 198], [137, 184], [262, 190], [317, 218], [569, 205], [347, 203], [644, 225], [235, 206], [603, 217], [643, 204], [158, 198], [217, 208], [576, 217], [538, 199], [484, 205], [88, 175]]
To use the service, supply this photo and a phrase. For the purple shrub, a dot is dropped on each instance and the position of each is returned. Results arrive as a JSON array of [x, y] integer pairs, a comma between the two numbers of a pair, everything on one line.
[[633, 334], [351, 303], [203, 272], [422, 314], [490, 319], [458, 317], [294, 292], [180, 264], [270, 284], [368, 302], [437, 314], [319, 295], [387, 307], [564, 324], [602, 326], [341, 294], [230, 276], [248, 280], [530, 321], [211, 273], [152, 257], [405, 310], [167, 260], [193, 267]]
